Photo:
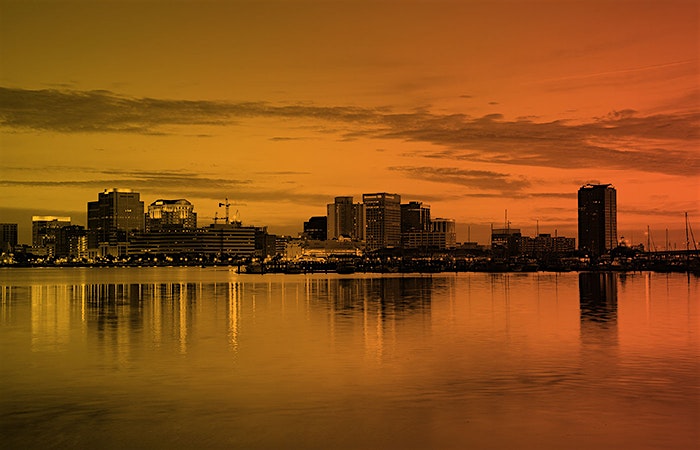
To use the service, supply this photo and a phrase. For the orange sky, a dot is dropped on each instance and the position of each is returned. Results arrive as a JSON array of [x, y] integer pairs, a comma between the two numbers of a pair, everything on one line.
[[473, 107]]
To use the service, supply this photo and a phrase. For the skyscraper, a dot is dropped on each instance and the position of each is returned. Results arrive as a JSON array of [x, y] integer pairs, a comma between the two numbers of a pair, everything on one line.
[[115, 214], [383, 215], [346, 218], [597, 218], [8, 237], [45, 230], [415, 216]]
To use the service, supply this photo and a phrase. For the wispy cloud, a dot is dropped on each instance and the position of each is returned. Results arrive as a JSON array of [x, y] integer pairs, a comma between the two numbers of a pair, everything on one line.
[[240, 191], [137, 180], [476, 179], [103, 111], [624, 139]]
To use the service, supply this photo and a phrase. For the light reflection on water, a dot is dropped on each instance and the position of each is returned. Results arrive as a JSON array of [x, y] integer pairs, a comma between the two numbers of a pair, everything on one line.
[[157, 357]]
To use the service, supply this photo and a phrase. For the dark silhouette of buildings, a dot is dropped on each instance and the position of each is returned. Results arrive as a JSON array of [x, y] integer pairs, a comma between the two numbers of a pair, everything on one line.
[[8, 237], [316, 228], [71, 242], [216, 239], [383, 214], [597, 219], [45, 231], [415, 216], [115, 214]]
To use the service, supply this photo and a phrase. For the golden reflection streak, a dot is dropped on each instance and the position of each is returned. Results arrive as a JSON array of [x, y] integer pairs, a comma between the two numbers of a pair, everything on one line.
[[183, 317], [50, 318], [234, 304], [5, 298], [647, 294], [157, 316], [332, 302]]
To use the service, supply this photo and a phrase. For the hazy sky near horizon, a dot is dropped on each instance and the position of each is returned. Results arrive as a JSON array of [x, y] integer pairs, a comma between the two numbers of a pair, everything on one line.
[[473, 107]]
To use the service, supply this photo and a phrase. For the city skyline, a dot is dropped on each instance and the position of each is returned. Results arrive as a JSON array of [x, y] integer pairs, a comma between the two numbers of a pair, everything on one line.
[[471, 107]]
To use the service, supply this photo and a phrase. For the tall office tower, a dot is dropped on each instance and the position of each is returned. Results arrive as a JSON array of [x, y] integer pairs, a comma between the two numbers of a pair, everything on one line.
[[115, 214], [44, 232], [597, 218], [346, 218], [383, 215], [166, 215], [415, 216], [8, 237]]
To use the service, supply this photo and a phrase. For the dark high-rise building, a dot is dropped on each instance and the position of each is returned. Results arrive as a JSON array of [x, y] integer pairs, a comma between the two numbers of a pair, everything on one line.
[[316, 228], [115, 214], [383, 216], [8, 237], [345, 218], [597, 218], [71, 242], [265, 243], [415, 216], [45, 230], [168, 215]]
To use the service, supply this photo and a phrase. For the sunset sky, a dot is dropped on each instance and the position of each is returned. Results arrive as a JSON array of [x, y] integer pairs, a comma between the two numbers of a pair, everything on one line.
[[473, 107]]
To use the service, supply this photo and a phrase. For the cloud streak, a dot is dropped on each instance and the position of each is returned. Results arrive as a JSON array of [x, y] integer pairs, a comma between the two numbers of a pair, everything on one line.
[[475, 179], [659, 143], [173, 185]]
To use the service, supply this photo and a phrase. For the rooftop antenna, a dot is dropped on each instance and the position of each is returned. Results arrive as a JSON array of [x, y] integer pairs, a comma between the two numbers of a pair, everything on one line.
[[226, 204], [216, 217]]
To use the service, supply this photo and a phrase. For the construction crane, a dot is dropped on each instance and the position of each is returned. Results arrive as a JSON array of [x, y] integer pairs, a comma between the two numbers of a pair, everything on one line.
[[216, 217], [226, 204]]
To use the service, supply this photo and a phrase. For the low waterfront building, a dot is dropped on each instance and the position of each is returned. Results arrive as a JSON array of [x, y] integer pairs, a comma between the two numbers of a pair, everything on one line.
[[505, 242], [216, 239], [545, 244]]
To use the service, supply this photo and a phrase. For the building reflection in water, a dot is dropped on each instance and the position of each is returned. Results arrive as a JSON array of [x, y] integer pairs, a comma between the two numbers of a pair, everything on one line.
[[121, 317], [381, 304], [598, 297], [599, 332]]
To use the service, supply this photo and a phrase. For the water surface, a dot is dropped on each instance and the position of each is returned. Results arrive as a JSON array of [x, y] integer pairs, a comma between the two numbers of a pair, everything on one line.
[[205, 357]]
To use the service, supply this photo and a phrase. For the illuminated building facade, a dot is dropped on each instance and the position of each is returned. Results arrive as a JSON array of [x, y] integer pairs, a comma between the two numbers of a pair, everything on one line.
[[167, 215]]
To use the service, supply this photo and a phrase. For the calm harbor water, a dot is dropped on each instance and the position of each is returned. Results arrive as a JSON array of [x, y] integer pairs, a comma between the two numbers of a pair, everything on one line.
[[207, 358]]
